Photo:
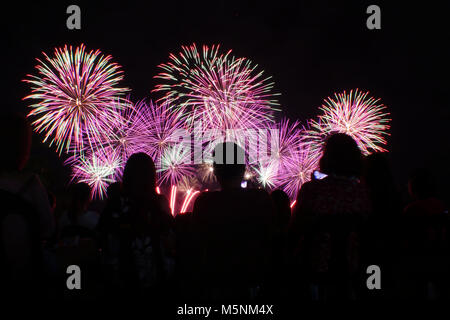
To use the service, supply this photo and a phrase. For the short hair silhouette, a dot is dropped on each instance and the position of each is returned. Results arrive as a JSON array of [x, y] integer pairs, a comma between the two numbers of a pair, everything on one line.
[[341, 156], [229, 161], [139, 175], [16, 135]]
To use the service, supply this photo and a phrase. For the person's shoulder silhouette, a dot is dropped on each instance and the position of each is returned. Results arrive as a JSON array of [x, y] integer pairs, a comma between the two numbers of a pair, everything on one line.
[[232, 201], [232, 225]]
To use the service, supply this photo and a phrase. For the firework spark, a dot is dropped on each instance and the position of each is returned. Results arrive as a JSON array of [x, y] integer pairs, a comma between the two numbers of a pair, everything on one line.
[[75, 92], [355, 114]]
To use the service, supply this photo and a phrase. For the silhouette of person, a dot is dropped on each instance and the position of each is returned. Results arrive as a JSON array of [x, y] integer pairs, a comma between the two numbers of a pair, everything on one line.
[[78, 213], [279, 275], [145, 228], [233, 230], [327, 215], [382, 230], [16, 136], [425, 228], [282, 209], [422, 190]]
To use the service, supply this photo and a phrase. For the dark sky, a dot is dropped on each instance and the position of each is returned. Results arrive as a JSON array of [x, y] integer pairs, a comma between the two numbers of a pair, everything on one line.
[[312, 49]]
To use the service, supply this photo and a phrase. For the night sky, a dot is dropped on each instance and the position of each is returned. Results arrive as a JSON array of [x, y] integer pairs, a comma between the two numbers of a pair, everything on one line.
[[311, 50]]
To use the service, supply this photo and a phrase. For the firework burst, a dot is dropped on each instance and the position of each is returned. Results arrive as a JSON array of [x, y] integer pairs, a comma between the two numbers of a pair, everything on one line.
[[222, 91], [267, 174], [162, 126], [286, 141], [298, 169], [355, 114], [98, 170], [175, 164], [75, 92], [129, 133], [188, 183], [205, 172]]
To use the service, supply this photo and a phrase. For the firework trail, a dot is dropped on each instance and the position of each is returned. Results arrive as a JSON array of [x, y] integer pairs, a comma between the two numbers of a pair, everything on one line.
[[222, 91], [75, 92], [355, 114], [98, 170], [190, 194]]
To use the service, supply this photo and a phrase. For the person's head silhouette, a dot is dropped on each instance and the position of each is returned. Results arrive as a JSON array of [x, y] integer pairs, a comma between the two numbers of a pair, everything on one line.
[[341, 156], [229, 164], [139, 176], [16, 135]]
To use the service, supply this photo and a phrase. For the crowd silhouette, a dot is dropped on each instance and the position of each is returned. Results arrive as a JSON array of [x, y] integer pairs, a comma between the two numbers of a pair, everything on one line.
[[237, 243]]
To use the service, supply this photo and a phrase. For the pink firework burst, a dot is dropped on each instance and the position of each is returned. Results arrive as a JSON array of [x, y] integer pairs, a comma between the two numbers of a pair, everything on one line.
[[355, 114], [75, 92], [222, 91], [286, 140], [141, 127], [298, 169], [98, 169], [163, 126]]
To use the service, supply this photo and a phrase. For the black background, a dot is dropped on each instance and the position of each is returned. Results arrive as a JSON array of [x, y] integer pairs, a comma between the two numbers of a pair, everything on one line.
[[312, 49]]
